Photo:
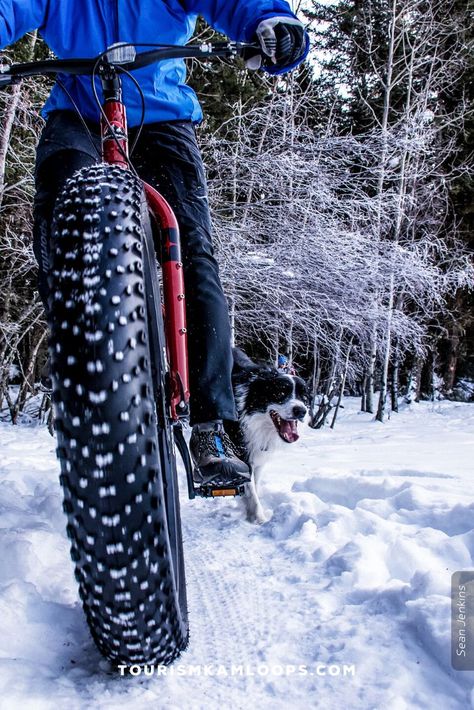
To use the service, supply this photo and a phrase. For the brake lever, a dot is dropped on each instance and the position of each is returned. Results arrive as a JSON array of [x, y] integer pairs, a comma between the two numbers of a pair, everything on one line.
[[250, 50]]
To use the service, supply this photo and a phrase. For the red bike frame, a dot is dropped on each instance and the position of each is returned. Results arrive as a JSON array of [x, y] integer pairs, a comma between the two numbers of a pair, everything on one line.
[[115, 151]]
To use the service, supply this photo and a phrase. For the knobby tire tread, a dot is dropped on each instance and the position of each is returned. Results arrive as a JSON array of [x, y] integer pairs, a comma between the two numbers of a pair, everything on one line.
[[106, 423]]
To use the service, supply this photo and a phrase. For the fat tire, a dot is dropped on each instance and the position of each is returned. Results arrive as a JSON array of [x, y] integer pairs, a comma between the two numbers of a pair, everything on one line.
[[114, 443]]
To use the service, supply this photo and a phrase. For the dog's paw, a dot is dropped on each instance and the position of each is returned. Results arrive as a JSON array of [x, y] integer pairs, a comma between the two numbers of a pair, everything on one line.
[[258, 517]]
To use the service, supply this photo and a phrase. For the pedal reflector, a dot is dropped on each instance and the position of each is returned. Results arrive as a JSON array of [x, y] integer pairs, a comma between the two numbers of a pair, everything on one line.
[[224, 492]]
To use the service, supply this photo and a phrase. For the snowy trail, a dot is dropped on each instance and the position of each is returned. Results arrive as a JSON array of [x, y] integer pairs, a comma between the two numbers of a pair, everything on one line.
[[369, 522]]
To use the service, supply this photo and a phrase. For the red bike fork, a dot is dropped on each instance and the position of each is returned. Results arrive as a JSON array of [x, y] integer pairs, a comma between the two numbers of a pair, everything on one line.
[[115, 151], [174, 301]]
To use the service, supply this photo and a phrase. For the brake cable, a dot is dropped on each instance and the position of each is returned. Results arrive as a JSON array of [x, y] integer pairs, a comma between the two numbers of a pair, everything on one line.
[[78, 111]]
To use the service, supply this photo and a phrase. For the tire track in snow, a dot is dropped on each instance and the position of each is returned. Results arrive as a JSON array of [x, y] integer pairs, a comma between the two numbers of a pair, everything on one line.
[[228, 603]]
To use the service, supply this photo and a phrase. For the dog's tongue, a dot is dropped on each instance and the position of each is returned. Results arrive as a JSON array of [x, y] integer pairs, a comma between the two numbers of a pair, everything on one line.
[[288, 431]]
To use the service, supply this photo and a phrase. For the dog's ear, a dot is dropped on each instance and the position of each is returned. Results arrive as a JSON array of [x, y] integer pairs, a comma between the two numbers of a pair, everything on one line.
[[242, 361]]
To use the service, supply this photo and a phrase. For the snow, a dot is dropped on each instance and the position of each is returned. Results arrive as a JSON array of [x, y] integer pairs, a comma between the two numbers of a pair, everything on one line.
[[340, 600]]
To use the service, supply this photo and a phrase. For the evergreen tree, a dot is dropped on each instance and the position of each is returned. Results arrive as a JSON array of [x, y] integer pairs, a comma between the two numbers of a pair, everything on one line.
[[223, 85]]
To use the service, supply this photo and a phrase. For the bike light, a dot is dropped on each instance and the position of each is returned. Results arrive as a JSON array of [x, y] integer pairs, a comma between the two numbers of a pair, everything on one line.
[[121, 53]]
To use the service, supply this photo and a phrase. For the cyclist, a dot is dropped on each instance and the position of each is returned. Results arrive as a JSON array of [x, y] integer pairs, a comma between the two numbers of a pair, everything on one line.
[[167, 156], [284, 365]]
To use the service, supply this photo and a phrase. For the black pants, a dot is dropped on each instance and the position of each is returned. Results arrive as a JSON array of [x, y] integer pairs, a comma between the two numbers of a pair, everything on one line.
[[168, 157]]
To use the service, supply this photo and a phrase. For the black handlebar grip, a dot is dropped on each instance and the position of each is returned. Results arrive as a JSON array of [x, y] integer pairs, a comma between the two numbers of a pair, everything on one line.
[[247, 52]]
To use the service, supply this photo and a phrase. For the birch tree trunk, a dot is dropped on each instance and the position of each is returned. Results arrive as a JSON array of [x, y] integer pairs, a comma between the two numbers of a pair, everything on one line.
[[382, 174], [395, 380], [370, 377], [6, 125], [363, 400], [343, 383]]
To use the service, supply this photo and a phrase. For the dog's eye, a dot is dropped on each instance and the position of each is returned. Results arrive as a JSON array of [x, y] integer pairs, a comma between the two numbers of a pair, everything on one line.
[[282, 390]]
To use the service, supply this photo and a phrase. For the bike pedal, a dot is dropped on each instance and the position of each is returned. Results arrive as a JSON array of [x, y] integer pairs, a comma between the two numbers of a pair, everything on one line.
[[209, 491]]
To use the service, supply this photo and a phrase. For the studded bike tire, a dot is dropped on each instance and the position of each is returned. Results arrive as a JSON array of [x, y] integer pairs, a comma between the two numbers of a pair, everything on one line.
[[114, 437]]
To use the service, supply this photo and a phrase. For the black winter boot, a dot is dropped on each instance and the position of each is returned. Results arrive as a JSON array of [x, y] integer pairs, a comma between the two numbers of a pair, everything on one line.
[[215, 457]]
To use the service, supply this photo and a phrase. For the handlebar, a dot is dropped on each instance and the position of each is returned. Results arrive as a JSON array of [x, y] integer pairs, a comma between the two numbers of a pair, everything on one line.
[[13, 74]]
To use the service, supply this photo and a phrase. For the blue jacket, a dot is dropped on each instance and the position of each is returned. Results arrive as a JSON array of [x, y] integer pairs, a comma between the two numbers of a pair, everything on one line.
[[85, 28]]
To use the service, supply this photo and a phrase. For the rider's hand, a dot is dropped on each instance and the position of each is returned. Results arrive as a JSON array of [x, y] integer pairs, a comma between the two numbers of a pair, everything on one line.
[[283, 40]]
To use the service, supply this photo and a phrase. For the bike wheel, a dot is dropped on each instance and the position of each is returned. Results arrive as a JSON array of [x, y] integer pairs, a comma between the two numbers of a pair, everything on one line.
[[114, 436]]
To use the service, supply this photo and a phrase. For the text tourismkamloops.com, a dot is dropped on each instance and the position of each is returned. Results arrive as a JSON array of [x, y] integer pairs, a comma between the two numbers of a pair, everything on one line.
[[260, 669]]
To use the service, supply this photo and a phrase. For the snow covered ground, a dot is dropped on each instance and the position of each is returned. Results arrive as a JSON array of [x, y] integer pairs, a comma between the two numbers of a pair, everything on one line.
[[349, 579]]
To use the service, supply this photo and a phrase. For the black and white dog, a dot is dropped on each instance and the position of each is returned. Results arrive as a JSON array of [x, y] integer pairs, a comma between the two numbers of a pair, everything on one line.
[[270, 404]]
